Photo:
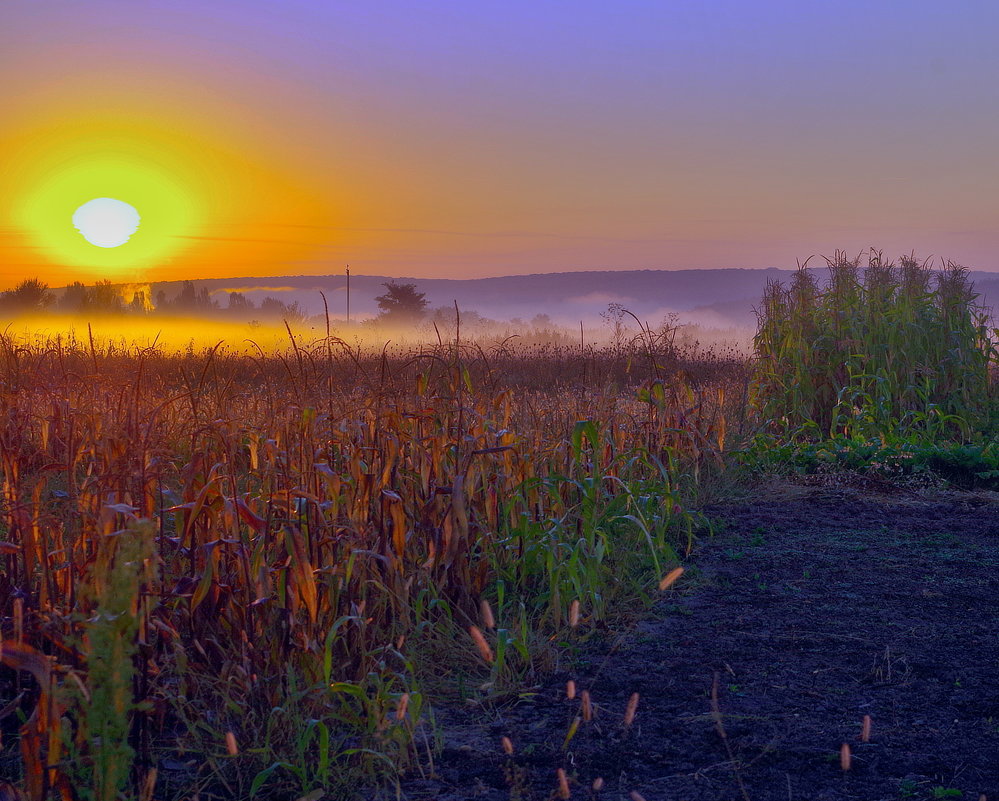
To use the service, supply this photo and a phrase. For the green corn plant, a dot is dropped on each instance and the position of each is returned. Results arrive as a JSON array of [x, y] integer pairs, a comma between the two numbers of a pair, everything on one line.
[[887, 351], [104, 711]]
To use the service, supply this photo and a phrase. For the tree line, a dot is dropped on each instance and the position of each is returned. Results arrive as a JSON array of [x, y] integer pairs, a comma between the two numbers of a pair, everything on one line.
[[402, 305], [33, 295]]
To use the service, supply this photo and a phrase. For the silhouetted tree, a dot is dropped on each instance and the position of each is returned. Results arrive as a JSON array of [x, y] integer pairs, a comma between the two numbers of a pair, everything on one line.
[[238, 302], [401, 303], [447, 318], [188, 296], [275, 309], [194, 300], [205, 299], [30, 295], [104, 298], [73, 297]]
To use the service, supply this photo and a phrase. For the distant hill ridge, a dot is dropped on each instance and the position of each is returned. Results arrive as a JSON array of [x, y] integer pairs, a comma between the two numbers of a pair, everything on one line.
[[715, 298], [566, 297]]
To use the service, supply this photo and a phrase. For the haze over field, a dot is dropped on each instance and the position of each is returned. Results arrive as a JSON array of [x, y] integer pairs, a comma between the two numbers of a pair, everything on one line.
[[708, 307], [712, 299]]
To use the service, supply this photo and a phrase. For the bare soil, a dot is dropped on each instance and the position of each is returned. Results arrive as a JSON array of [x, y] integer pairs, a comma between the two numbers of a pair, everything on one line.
[[810, 609]]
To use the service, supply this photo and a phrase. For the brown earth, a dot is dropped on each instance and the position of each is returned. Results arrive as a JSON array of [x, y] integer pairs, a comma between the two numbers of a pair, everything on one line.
[[809, 610]]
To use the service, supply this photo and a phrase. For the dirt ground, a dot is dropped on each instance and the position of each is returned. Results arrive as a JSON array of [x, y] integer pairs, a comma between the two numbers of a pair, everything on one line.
[[811, 608]]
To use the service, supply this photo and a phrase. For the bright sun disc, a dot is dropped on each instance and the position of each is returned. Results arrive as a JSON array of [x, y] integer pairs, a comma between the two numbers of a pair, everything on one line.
[[106, 222]]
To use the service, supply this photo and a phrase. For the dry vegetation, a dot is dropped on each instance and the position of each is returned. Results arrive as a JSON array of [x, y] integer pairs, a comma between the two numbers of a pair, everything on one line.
[[240, 574], [245, 575]]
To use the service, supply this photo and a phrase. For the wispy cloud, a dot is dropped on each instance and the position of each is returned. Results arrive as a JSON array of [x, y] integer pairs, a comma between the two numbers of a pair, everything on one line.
[[258, 240], [497, 234]]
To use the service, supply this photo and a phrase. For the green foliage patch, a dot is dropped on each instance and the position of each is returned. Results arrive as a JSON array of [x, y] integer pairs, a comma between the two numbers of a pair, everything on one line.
[[891, 351]]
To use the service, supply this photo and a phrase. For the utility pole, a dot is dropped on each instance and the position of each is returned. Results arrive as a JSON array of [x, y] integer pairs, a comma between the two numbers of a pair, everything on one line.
[[348, 294]]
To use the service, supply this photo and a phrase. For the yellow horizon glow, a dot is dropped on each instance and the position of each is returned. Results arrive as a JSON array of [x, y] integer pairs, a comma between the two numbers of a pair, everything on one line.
[[202, 200], [61, 173], [169, 334]]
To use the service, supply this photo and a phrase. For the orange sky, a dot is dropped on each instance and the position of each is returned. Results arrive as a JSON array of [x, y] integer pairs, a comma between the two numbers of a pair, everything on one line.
[[442, 140]]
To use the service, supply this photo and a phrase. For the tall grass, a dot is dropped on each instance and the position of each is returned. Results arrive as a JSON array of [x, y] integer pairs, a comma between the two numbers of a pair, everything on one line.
[[887, 351], [324, 525]]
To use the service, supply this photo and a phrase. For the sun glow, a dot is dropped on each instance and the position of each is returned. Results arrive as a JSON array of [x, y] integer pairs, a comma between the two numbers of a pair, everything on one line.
[[67, 194], [208, 203], [77, 192], [106, 222]]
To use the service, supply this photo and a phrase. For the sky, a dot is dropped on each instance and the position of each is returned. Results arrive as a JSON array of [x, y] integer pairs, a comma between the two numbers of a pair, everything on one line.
[[466, 139]]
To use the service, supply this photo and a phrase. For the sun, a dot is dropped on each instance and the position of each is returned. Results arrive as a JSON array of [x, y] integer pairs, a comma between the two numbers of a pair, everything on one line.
[[85, 213], [106, 203], [106, 222]]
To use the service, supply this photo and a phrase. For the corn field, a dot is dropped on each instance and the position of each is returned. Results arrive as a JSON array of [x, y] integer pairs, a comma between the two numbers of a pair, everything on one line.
[[231, 574], [886, 351], [236, 575]]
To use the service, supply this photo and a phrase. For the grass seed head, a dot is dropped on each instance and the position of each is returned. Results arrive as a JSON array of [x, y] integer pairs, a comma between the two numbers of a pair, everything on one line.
[[570, 689], [563, 784], [574, 614], [230, 744], [844, 756], [148, 785], [598, 784], [629, 713], [670, 578], [487, 614], [507, 744], [587, 705], [865, 730], [480, 642], [400, 712]]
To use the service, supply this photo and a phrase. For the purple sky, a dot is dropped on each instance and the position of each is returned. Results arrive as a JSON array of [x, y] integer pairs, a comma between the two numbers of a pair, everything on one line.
[[484, 138]]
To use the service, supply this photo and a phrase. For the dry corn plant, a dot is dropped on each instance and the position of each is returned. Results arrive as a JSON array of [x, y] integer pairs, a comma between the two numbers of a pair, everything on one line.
[[319, 523]]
